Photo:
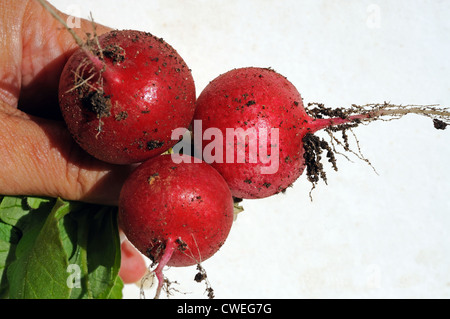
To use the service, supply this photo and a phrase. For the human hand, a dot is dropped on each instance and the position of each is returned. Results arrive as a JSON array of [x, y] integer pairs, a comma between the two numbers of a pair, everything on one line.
[[38, 157]]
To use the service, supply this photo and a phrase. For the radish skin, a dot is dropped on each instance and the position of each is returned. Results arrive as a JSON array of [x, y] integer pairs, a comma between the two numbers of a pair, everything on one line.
[[176, 214], [261, 100]]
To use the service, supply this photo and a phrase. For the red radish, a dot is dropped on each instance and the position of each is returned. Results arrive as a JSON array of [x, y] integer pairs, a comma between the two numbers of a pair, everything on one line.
[[175, 214], [123, 94], [256, 100]]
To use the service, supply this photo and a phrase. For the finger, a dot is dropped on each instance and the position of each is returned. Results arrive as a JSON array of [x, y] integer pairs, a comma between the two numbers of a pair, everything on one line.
[[132, 264], [40, 158], [46, 47]]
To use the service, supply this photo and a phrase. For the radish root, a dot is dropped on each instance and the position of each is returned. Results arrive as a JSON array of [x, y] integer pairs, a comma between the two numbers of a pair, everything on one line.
[[344, 120], [167, 250]]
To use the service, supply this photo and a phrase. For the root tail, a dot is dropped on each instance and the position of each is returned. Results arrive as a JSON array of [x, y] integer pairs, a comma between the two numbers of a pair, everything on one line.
[[170, 248]]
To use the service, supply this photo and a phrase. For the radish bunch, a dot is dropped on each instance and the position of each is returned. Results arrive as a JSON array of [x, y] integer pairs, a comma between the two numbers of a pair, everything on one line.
[[123, 95]]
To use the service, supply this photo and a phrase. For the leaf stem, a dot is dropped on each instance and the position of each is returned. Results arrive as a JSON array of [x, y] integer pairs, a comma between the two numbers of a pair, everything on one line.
[[96, 61], [57, 17]]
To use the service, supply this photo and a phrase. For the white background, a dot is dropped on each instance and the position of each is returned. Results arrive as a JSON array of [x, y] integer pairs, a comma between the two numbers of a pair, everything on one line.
[[364, 235]]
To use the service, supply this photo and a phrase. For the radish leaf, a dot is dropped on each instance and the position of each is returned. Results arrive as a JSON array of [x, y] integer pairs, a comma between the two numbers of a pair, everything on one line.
[[51, 248]]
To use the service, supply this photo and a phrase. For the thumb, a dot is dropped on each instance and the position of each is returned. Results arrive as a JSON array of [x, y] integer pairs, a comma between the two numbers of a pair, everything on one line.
[[39, 158], [46, 47]]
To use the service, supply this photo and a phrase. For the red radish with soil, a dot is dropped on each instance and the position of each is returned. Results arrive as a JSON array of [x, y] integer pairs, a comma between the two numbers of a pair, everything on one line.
[[258, 98], [122, 94], [176, 214]]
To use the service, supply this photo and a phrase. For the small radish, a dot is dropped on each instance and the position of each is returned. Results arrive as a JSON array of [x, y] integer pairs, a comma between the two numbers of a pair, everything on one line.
[[255, 102], [123, 94], [175, 214]]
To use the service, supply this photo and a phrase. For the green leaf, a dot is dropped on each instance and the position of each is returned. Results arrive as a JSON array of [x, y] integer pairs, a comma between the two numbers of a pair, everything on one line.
[[116, 290], [99, 272], [12, 210], [40, 268], [9, 233], [7, 251], [50, 248], [104, 268], [36, 202], [14, 218], [15, 210]]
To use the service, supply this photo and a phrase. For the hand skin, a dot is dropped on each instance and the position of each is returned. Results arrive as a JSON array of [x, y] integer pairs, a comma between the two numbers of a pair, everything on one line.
[[37, 154]]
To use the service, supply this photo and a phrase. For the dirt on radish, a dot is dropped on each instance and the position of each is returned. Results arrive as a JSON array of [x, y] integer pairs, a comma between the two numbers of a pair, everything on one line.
[[176, 214], [123, 94], [253, 100]]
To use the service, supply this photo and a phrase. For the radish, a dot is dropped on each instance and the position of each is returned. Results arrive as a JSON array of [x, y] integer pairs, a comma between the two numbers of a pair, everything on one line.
[[175, 214], [123, 94], [255, 103]]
